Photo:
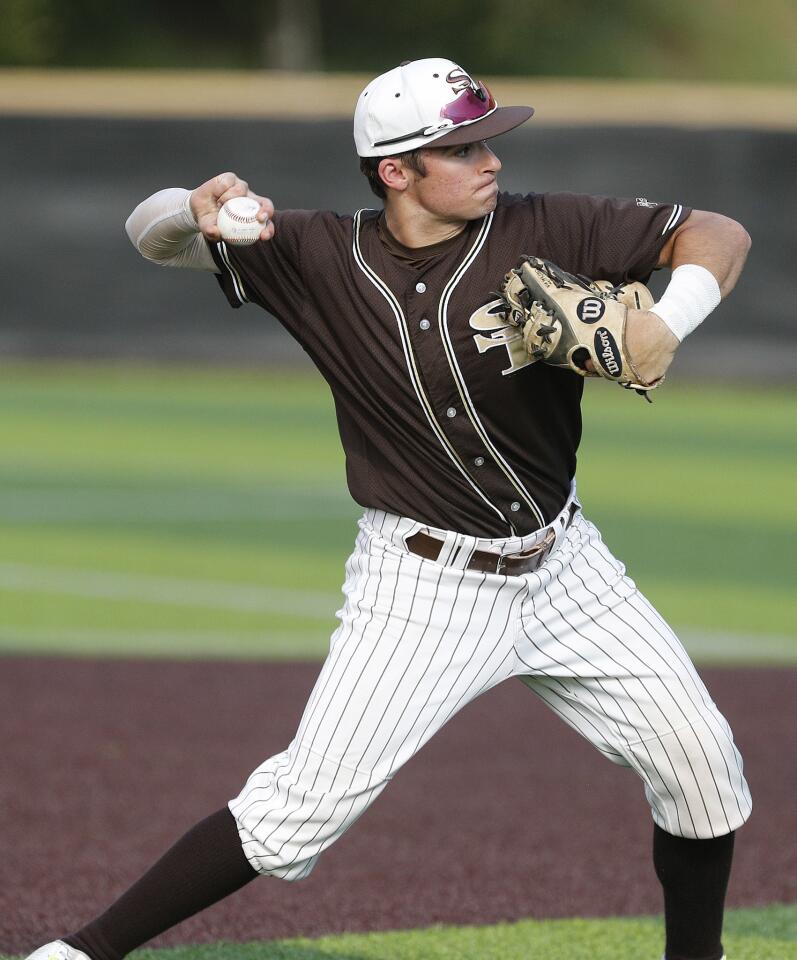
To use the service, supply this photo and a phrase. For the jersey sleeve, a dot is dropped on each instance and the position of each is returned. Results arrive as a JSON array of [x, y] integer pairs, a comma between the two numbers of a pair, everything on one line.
[[268, 273], [608, 238]]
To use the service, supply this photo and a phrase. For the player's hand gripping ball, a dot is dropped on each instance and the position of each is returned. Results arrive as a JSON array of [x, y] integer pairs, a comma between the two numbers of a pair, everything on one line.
[[237, 221]]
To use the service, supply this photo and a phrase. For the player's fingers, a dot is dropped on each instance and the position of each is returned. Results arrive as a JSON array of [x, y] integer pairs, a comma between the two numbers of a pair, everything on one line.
[[209, 197], [238, 188], [266, 211], [203, 198], [207, 224], [225, 182]]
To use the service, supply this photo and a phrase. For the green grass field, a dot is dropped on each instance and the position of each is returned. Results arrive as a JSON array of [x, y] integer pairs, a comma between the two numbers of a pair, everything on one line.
[[762, 933], [184, 512]]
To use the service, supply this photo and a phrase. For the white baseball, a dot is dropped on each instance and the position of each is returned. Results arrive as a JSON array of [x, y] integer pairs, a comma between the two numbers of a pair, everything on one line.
[[237, 221]]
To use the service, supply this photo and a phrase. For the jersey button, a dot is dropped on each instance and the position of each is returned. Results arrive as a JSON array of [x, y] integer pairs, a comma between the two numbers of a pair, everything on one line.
[[514, 507], [451, 412], [424, 324], [420, 287], [479, 462]]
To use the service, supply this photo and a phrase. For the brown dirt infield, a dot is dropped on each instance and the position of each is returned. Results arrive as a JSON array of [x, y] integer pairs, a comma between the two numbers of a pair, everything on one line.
[[506, 814]]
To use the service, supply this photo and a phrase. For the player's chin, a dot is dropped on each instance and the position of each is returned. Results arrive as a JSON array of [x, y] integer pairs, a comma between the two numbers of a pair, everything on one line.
[[488, 197]]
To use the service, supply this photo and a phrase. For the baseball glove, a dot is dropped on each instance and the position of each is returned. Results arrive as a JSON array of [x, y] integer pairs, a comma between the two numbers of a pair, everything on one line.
[[568, 320]]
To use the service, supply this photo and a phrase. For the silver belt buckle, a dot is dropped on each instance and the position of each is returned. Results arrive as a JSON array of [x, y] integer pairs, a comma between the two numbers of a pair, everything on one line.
[[545, 544]]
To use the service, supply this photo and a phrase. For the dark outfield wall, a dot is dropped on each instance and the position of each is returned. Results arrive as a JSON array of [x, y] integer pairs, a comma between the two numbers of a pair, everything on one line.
[[72, 284]]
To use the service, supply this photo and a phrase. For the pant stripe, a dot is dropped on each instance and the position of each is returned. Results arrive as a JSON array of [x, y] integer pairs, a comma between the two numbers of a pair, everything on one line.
[[658, 676], [597, 671], [355, 590], [397, 748], [345, 711], [476, 687], [442, 674], [674, 730], [712, 721], [420, 675], [312, 749], [575, 683], [342, 669], [395, 679], [571, 715], [703, 697], [273, 776], [628, 695], [354, 769], [583, 715]]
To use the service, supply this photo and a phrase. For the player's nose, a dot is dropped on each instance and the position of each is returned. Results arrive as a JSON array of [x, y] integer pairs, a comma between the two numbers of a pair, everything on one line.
[[491, 161]]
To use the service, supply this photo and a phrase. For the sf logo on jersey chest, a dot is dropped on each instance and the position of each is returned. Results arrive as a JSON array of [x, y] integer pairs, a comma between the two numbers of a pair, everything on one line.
[[494, 332]]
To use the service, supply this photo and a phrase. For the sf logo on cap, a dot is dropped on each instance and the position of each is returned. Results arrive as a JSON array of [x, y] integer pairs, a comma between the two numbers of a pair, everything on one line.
[[460, 81], [590, 310]]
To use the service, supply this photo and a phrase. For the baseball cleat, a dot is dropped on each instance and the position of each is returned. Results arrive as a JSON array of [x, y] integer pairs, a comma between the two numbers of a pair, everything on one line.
[[57, 950]]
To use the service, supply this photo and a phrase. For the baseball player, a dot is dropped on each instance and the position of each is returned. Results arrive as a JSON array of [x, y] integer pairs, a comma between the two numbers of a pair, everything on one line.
[[474, 562]]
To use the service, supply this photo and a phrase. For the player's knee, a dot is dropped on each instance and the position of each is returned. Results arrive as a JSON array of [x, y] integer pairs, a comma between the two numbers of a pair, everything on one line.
[[680, 823], [286, 822], [695, 783], [284, 854]]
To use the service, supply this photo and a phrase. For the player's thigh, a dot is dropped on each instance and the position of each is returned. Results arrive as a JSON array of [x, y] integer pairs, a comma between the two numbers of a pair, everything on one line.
[[602, 657], [416, 642]]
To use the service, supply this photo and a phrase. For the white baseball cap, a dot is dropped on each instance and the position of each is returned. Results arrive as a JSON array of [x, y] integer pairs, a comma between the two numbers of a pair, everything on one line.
[[424, 102]]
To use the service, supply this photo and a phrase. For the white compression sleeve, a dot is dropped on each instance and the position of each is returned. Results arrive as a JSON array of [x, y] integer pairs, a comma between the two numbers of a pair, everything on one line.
[[691, 295], [164, 230]]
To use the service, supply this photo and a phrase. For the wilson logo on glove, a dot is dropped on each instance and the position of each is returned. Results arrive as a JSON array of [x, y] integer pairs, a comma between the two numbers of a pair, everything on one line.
[[590, 310], [607, 352]]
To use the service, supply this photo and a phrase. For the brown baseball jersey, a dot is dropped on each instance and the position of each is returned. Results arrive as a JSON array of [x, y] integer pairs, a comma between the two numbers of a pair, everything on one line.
[[442, 416]]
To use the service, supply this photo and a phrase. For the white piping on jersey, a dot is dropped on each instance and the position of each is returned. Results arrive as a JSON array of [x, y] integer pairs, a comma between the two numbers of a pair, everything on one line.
[[237, 282], [677, 210], [409, 357], [459, 379]]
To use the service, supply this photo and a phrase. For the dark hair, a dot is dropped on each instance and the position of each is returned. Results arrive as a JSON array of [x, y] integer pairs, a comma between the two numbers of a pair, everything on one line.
[[370, 167]]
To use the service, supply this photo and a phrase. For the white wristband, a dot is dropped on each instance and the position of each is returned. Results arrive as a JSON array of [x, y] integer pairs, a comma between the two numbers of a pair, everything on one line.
[[691, 295]]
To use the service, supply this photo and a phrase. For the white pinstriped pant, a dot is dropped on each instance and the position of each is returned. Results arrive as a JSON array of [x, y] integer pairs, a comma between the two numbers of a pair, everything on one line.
[[418, 640]]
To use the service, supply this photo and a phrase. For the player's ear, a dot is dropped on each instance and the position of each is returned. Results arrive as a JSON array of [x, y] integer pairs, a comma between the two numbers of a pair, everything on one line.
[[393, 174]]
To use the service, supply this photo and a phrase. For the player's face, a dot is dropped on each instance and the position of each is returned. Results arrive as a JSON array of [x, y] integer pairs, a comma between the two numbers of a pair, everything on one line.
[[460, 182]]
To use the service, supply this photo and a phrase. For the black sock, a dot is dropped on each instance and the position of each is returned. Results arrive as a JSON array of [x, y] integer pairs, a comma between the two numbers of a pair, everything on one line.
[[204, 866], [694, 875]]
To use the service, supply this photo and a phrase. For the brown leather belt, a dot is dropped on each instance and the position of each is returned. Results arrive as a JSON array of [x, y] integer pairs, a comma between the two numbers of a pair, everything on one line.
[[512, 565]]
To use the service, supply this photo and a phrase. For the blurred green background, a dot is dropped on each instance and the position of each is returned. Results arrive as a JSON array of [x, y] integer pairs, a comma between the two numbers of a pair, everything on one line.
[[682, 39], [180, 512], [171, 481]]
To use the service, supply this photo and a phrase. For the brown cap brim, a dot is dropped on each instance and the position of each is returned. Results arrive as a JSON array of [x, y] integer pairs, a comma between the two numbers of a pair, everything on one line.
[[501, 120]]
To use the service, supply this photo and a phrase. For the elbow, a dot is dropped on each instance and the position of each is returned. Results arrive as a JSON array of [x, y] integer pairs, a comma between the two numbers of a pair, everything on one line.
[[136, 229], [151, 249], [739, 238], [742, 242], [131, 231], [735, 238], [736, 242]]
